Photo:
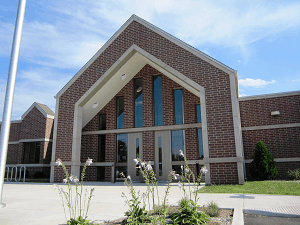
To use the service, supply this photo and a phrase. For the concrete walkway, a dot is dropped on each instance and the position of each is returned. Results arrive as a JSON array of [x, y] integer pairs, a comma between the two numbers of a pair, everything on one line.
[[33, 203]]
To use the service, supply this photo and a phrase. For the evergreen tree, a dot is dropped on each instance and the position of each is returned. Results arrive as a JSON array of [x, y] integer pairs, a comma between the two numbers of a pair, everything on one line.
[[263, 166]]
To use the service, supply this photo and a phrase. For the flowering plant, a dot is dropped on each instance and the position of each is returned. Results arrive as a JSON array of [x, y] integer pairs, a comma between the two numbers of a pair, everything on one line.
[[79, 204], [188, 213]]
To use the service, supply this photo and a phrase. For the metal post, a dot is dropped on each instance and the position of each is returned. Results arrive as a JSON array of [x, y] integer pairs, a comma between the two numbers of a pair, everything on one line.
[[9, 96]]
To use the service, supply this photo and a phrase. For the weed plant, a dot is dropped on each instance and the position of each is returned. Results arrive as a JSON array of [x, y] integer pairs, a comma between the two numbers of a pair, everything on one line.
[[78, 203]]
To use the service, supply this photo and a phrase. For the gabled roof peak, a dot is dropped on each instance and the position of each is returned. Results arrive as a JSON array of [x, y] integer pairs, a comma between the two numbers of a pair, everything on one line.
[[45, 110], [157, 30]]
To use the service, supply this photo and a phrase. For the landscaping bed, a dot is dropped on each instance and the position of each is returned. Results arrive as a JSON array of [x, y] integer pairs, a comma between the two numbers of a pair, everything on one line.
[[225, 217]]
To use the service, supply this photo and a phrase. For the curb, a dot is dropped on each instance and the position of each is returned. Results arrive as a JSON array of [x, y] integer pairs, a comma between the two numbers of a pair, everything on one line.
[[238, 216], [267, 213]]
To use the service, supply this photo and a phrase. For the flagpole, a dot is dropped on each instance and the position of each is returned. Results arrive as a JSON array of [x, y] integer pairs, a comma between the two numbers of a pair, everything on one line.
[[9, 96]]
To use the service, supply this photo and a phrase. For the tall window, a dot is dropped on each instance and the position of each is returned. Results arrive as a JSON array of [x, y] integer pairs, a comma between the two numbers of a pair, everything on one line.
[[178, 106], [122, 146], [138, 102], [31, 152], [199, 131], [120, 112], [177, 145], [198, 113], [158, 110], [101, 148], [102, 122]]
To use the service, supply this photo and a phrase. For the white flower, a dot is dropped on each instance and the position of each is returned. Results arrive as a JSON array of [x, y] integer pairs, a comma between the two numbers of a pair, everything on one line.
[[181, 167], [143, 164], [179, 184], [58, 162], [181, 153], [204, 170], [65, 181], [75, 180], [71, 178], [129, 177], [174, 175], [136, 161], [54, 186], [123, 195], [149, 167], [187, 170], [89, 162]]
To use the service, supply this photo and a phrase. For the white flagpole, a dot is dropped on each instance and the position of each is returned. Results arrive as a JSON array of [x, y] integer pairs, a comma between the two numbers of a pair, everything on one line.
[[9, 96]]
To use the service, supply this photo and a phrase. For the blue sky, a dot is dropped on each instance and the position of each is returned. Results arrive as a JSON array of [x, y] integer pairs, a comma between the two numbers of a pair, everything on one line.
[[260, 39]]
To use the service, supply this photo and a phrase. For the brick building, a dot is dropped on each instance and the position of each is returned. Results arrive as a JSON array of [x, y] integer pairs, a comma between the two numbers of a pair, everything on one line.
[[30, 140], [147, 94]]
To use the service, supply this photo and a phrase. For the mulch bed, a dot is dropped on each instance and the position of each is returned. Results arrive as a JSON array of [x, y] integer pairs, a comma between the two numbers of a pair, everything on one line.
[[225, 218]]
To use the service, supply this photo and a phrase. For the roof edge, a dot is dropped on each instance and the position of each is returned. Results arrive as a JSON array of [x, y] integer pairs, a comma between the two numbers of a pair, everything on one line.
[[157, 30], [273, 95], [35, 104]]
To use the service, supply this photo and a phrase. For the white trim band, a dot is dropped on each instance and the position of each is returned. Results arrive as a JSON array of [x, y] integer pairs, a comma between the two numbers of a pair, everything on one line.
[[35, 140], [276, 95], [271, 126]]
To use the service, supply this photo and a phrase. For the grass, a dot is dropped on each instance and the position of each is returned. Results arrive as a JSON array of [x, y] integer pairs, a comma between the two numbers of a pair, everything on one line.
[[256, 187]]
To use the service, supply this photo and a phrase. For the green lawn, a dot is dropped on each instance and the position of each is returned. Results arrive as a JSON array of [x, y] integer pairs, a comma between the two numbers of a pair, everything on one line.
[[256, 187]]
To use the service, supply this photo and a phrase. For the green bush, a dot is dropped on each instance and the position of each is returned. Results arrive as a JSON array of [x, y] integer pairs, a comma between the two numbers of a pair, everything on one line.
[[188, 213], [294, 174], [212, 209], [263, 166]]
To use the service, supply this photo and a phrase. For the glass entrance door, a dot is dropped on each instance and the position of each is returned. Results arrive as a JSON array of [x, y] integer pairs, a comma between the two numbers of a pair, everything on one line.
[[135, 146], [162, 155]]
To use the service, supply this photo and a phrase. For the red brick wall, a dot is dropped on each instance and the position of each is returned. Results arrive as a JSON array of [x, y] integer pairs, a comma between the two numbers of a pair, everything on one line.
[[14, 134], [258, 112], [280, 142], [282, 168], [12, 154], [215, 82], [224, 173]]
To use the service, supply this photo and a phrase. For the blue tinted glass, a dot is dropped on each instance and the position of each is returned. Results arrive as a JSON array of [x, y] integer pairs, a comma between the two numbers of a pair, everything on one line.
[[138, 102], [178, 106], [121, 147], [198, 112], [120, 112], [200, 143], [177, 144], [158, 111]]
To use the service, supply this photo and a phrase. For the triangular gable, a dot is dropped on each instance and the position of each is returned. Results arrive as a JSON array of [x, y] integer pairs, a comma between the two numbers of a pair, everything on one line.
[[159, 31], [45, 110]]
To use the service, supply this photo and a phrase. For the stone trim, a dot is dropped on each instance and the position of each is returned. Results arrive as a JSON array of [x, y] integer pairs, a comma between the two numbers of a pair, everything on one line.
[[35, 140], [141, 129], [271, 126], [157, 30], [30, 165], [72, 163], [278, 160], [13, 142], [276, 95]]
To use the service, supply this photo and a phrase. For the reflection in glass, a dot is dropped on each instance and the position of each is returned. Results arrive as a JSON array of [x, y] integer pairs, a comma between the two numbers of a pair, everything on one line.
[[177, 144], [101, 148], [121, 147], [200, 143], [120, 112], [102, 122], [119, 170], [158, 111], [137, 155], [138, 102], [198, 113], [160, 156], [178, 106]]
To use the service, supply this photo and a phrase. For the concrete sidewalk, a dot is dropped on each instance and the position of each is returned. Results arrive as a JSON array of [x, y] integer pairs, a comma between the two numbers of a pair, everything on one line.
[[33, 203]]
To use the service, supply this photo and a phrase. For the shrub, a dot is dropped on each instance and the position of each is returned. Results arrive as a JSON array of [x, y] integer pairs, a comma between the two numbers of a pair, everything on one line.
[[212, 209], [263, 166], [294, 174]]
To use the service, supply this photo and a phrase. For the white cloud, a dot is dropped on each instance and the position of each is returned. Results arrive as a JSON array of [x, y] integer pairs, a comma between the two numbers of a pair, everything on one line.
[[239, 61], [248, 82], [242, 95], [296, 80]]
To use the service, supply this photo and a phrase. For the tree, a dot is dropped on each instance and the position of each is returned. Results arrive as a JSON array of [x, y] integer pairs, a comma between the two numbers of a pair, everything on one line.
[[263, 166]]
